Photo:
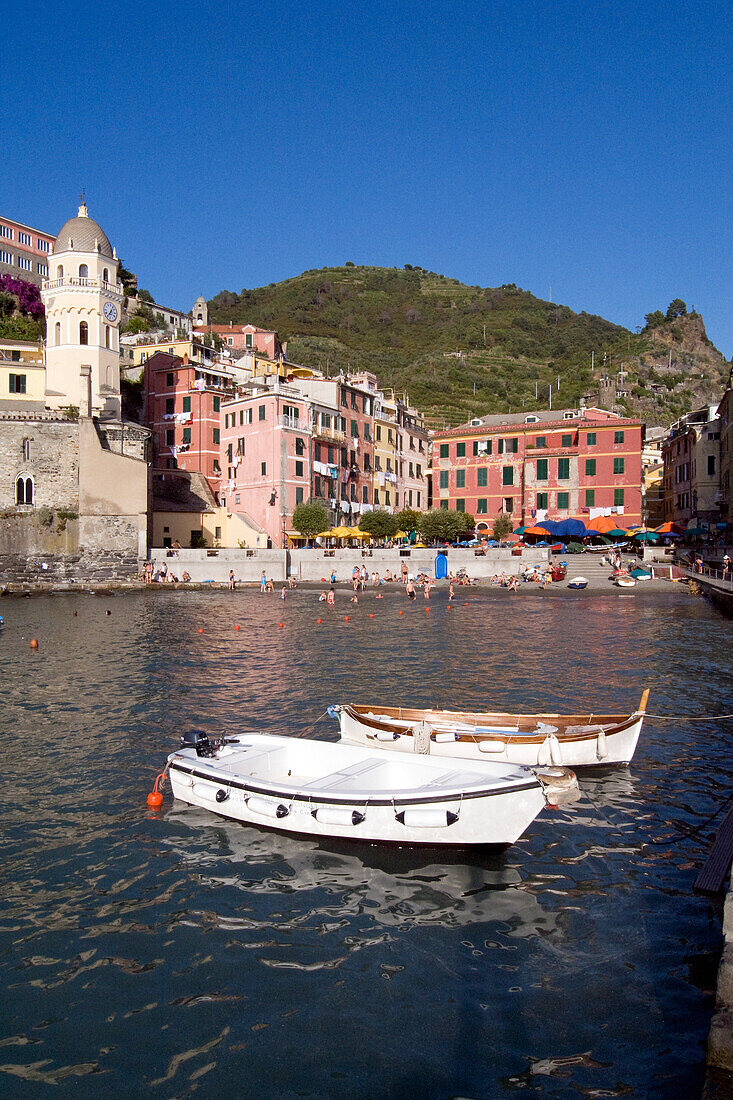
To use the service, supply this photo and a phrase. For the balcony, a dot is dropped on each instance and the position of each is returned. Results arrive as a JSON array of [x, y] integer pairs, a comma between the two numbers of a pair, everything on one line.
[[331, 435], [72, 280], [293, 423]]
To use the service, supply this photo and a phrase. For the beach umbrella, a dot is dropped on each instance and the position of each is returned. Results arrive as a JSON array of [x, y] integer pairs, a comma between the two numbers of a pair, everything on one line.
[[593, 534], [519, 530], [341, 533], [535, 531], [646, 536], [696, 532], [669, 528], [617, 533], [604, 523], [357, 533], [569, 529]]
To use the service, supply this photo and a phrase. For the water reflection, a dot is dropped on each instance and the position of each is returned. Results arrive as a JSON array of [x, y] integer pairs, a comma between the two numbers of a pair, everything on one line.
[[179, 952]]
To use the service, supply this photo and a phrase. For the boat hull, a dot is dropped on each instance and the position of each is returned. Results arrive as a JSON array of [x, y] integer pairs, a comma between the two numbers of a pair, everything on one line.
[[608, 740], [484, 807]]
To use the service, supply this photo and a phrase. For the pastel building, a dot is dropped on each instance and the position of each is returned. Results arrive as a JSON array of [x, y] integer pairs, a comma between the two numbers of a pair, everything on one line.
[[541, 465], [241, 337], [413, 448], [692, 461], [24, 251], [22, 376], [182, 403], [266, 458]]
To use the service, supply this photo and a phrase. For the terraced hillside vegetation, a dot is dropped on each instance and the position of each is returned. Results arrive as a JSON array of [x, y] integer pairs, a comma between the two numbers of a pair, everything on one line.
[[461, 351]]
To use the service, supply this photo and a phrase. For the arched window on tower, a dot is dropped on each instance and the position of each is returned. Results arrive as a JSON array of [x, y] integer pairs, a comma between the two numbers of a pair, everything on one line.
[[105, 275], [83, 332], [24, 490], [83, 271], [107, 342], [60, 271], [57, 330]]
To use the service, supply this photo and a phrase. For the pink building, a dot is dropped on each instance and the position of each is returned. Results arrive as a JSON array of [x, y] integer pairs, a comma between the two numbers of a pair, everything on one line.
[[542, 465], [246, 338], [182, 402], [266, 457], [24, 251]]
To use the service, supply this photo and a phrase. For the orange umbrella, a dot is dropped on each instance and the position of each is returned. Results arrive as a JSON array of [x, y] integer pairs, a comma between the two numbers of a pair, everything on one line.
[[536, 531], [605, 523], [668, 528]]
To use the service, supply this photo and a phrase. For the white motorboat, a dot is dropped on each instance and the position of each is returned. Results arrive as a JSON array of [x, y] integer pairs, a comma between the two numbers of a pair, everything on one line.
[[532, 740], [322, 789]]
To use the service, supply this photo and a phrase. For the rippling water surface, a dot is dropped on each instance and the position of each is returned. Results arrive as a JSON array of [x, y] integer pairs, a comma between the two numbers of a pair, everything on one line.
[[174, 953]]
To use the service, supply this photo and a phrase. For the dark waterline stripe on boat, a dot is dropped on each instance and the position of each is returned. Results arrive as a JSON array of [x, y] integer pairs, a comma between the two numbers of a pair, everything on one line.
[[345, 801]]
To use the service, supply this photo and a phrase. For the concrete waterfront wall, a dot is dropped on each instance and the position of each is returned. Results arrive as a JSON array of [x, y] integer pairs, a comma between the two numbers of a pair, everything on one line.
[[313, 565], [214, 565]]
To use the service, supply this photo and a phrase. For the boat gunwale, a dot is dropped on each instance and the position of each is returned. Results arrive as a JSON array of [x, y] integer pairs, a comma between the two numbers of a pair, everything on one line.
[[299, 796]]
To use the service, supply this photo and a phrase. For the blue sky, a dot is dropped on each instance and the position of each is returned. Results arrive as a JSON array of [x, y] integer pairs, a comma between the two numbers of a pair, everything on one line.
[[583, 147]]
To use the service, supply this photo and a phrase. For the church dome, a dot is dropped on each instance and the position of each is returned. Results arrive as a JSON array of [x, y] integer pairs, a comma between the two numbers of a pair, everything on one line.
[[82, 234]]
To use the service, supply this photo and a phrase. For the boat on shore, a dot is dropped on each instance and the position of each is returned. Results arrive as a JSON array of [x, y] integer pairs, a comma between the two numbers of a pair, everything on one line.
[[623, 579], [578, 583], [326, 789], [531, 740]]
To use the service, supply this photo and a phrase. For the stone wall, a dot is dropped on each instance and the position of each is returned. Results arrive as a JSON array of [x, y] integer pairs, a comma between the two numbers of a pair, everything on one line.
[[214, 565], [52, 462], [313, 565]]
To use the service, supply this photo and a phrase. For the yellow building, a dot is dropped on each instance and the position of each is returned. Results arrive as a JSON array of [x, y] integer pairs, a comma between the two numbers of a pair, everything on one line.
[[22, 376]]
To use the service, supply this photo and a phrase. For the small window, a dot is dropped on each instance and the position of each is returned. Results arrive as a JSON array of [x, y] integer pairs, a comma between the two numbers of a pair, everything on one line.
[[512, 446], [542, 469], [262, 412], [353, 401], [460, 450], [24, 490], [217, 404], [300, 447], [563, 501], [444, 475], [17, 383], [299, 494], [567, 441], [508, 505], [60, 271], [354, 430], [83, 333], [541, 441], [618, 498], [298, 469], [460, 505], [170, 437], [500, 446], [482, 506], [482, 476], [590, 467], [186, 435], [590, 498], [507, 475], [107, 337], [444, 504], [83, 271], [170, 379], [105, 275], [27, 449], [248, 340], [563, 469], [711, 465], [619, 465], [216, 437], [58, 333], [170, 404], [542, 500], [460, 479], [591, 439], [263, 469], [230, 453], [444, 450], [618, 437]]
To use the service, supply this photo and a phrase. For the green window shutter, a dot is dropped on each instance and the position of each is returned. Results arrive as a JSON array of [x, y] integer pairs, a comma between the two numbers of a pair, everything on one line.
[[563, 469], [460, 505], [618, 465], [482, 506], [542, 500], [591, 439], [482, 477], [216, 436], [444, 505], [618, 437], [460, 450], [186, 435], [618, 498], [187, 404], [590, 498], [475, 447], [542, 469], [217, 404], [443, 449], [541, 441], [444, 474], [507, 475], [590, 467], [567, 441], [460, 479], [563, 501]]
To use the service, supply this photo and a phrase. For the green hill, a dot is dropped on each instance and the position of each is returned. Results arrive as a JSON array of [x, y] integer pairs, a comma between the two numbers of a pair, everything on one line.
[[462, 351]]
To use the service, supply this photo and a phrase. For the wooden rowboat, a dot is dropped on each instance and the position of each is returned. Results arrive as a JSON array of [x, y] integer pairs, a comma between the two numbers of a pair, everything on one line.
[[533, 740], [322, 789]]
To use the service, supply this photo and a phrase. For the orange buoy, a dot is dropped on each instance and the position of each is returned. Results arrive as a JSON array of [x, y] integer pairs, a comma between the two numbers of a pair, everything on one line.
[[281, 624], [319, 620], [448, 607], [34, 643], [236, 626], [400, 612], [201, 630], [155, 800], [346, 618], [466, 604], [371, 614]]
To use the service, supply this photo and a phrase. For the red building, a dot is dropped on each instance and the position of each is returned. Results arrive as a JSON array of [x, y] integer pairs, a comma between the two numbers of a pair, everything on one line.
[[181, 407], [246, 338], [541, 465]]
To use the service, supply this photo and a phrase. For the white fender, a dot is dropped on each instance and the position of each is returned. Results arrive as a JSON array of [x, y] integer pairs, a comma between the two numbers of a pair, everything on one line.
[[426, 817], [338, 815], [601, 746], [441, 738], [555, 750], [266, 807], [485, 745], [386, 735], [543, 753]]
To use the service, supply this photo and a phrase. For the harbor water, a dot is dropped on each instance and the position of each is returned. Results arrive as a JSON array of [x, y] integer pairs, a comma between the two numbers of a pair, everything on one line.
[[175, 953]]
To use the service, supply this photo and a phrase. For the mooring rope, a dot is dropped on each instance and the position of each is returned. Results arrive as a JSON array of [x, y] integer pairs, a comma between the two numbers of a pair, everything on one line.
[[689, 717]]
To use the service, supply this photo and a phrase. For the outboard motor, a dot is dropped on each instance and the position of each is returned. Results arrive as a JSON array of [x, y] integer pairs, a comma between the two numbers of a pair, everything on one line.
[[197, 739]]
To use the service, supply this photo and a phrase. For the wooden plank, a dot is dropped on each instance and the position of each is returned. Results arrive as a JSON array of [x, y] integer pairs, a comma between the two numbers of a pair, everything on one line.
[[716, 867]]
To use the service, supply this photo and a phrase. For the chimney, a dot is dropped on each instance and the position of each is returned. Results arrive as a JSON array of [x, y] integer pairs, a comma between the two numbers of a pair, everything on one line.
[[85, 407]]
